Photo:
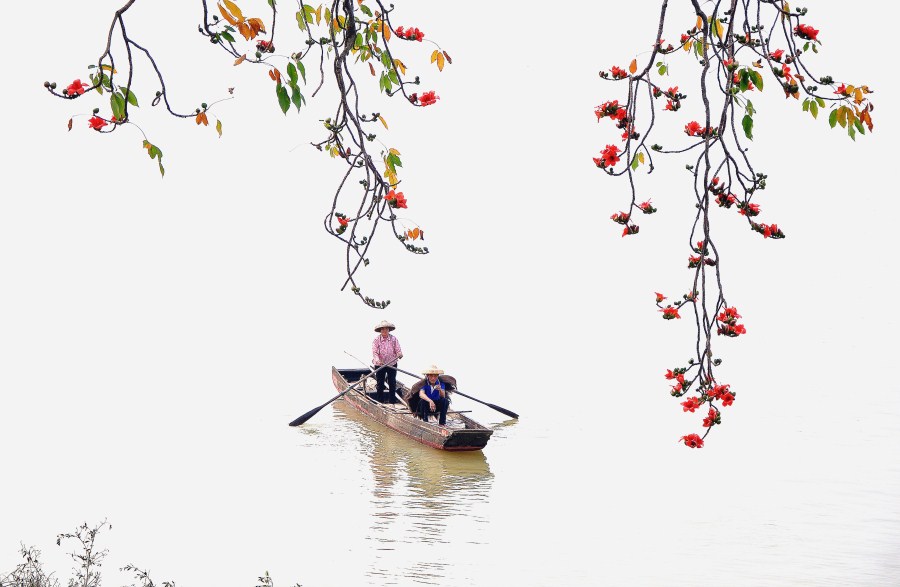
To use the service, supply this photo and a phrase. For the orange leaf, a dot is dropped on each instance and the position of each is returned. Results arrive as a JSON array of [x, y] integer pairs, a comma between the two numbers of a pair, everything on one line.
[[240, 59], [440, 61], [385, 31], [371, 69], [70, 124], [202, 119], [245, 30], [633, 67], [383, 121], [257, 24], [231, 20], [234, 9], [699, 23]]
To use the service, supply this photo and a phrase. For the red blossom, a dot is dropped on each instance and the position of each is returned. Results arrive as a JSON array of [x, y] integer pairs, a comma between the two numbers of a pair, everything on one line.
[[343, 221], [728, 63], [692, 441], [620, 217], [711, 418], [647, 207], [842, 90], [609, 156], [428, 98], [727, 398], [618, 73], [749, 210], [76, 88], [776, 55], [691, 404], [96, 123], [631, 229], [395, 199], [412, 34], [805, 31], [693, 129], [659, 298], [670, 313], [265, 47]]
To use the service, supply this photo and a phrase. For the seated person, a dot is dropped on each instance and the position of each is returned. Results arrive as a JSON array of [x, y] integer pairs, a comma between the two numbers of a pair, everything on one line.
[[433, 396]]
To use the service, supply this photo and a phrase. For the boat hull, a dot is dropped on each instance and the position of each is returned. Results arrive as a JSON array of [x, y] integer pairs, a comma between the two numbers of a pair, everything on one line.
[[397, 417]]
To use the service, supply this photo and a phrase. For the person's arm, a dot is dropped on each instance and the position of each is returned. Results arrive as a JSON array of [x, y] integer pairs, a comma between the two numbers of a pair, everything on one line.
[[375, 358], [424, 396], [398, 352]]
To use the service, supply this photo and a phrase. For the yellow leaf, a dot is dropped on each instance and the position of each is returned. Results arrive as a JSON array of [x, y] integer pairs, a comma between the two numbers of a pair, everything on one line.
[[699, 23], [720, 30], [385, 31], [234, 9], [434, 55], [240, 59], [440, 61], [105, 67], [787, 8], [858, 96], [393, 151], [219, 128], [401, 67], [633, 67], [319, 14], [641, 157], [383, 121]]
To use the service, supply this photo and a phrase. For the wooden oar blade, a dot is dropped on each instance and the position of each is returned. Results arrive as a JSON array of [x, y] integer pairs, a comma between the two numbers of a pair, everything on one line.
[[307, 416], [509, 413]]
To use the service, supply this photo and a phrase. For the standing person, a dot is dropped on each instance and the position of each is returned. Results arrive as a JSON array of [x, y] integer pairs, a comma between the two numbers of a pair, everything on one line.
[[386, 351], [433, 396]]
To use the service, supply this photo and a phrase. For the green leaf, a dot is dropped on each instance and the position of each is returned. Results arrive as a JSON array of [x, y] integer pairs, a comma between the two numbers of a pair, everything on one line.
[[392, 74], [750, 109], [302, 69], [747, 123], [272, 3], [366, 10], [757, 79], [292, 73], [814, 109], [296, 97], [394, 160], [663, 69], [129, 95], [226, 35], [284, 101], [832, 118], [821, 102], [301, 20], [806, 105], [117, 103], [155, 152], [859, 126], [634, 163]]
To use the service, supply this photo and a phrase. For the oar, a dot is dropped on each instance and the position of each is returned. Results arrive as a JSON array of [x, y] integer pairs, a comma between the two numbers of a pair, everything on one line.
[[315, 411], [509, 413]]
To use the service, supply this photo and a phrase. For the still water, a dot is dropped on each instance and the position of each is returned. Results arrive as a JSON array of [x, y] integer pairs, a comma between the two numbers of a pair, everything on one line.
[[220, 490]]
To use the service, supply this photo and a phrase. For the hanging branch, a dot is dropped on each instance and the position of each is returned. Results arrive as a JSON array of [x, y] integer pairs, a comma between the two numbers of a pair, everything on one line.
[[347, 35], [733, 44]]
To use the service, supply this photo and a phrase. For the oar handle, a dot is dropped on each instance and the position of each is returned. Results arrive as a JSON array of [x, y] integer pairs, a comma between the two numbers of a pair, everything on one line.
[[509, 413]]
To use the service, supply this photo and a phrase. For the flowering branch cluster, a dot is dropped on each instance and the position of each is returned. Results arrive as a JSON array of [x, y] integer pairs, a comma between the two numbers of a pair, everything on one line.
[[734, 43], [346, 35]]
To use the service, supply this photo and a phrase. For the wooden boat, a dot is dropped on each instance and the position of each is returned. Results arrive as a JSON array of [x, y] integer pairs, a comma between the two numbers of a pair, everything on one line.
[[460, 432]]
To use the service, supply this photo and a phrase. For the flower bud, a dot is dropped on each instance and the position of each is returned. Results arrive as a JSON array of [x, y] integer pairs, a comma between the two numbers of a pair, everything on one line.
[[53, 86]]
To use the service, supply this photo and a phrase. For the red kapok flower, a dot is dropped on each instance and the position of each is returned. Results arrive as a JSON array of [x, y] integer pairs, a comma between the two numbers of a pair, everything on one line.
[[96, 123], [343, 221], [692, 441], [76, 88], [691, 404], [647, 207], [412, 34], [265, 46], [428, 98], [670, 313], [693, 129], [659, 298], [711, 418], [727, 398], [395, 199], [610, 155], [805, 31], [776, 55], [618, 73]]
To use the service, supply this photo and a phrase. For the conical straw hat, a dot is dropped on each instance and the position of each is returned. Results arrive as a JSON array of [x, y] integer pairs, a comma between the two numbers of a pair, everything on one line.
[[384, 324], [433, 370]]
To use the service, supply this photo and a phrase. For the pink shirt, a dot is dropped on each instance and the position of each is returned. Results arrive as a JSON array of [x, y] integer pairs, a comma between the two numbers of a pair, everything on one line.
[[385, 350]]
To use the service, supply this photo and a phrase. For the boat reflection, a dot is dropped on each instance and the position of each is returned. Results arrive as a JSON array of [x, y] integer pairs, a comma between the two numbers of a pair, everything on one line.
[[422, 497]]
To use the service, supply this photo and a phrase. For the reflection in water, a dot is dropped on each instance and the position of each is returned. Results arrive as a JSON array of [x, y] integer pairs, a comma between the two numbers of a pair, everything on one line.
[[420, 493]]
